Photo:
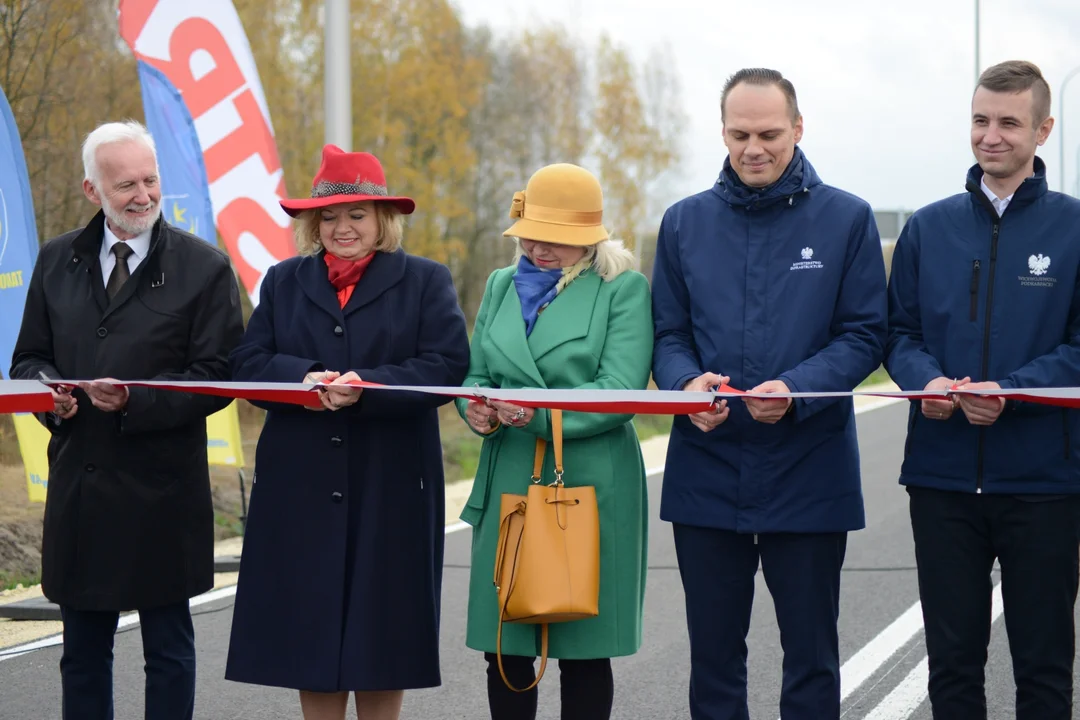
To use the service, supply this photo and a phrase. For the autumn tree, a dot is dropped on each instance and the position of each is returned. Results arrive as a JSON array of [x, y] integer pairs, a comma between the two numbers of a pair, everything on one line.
[[414, 84], [663, 164], [533, 111], [638, 122], [41, 41]]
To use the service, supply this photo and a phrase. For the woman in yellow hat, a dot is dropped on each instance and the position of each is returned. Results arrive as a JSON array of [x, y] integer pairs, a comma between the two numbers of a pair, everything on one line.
[[569, 313]]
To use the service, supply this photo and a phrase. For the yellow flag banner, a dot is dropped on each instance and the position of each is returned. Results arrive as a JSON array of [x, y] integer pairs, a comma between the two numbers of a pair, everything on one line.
[[223, 446], [223, 443], [34, 447]]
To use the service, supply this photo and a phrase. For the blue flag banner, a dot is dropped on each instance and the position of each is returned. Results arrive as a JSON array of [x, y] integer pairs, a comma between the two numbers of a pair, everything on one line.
[[18, 234], [18, 252], [185, 192], [185, 203]]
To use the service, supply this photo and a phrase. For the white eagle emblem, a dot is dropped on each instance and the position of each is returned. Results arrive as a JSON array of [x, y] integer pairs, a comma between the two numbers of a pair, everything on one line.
[[1039, 264], [807, 253]]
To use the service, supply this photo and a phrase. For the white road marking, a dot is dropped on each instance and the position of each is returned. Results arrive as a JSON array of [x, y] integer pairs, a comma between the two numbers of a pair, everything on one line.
[[861, 666], [125, 621], [909, 695]]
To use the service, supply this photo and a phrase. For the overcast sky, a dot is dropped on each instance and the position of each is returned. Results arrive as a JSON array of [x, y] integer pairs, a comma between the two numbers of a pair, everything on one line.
[[884, 87]]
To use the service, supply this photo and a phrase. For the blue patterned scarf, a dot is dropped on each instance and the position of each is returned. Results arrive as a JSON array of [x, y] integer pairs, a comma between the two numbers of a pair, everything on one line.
[[535, 288]]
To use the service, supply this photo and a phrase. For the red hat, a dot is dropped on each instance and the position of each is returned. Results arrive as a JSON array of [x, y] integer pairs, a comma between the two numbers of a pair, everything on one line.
[[346, 178]]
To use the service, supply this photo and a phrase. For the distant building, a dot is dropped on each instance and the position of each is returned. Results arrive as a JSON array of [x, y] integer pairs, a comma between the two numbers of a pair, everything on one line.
[[890, 223]]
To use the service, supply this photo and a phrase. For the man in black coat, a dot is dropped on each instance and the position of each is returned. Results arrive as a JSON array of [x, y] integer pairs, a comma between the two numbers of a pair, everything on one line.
[[128, 518]]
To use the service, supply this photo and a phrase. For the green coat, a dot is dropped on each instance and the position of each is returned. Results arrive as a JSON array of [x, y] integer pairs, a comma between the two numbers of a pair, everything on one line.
[[594, 335]]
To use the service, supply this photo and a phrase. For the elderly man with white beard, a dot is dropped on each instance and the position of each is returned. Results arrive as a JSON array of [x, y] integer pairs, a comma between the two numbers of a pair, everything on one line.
[[129, 522]]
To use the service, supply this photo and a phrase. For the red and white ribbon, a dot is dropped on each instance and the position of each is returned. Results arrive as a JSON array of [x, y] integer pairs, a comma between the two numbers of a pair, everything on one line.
[[21, 396], [33, 396]]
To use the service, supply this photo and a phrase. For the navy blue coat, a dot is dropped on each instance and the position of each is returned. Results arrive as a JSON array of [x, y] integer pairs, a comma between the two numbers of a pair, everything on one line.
[[786, 282], [971, 295], [341, 571]]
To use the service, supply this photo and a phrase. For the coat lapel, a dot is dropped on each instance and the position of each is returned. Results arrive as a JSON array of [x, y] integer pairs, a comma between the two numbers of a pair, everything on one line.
[[385, 271], [85, 256], [507, 332], [567, 317], [315, 282]]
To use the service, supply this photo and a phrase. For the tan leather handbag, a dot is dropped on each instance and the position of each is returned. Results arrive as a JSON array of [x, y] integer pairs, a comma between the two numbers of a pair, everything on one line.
[[547, 563]]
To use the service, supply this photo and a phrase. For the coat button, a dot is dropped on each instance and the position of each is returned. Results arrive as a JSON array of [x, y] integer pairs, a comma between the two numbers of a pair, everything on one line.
[[102, 332], [336, 496], [338, 330], [90, 467], [336, 441]]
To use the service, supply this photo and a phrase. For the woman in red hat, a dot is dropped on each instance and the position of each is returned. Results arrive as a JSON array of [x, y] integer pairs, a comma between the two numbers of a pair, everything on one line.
[[341, 571]]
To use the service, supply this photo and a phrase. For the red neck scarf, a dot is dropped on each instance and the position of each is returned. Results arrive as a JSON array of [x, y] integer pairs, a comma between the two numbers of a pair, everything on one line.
[[344, 274]]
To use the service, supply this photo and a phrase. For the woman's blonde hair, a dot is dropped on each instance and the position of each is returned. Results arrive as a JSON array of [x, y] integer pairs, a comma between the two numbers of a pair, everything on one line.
[[391, 228], [608, 258]]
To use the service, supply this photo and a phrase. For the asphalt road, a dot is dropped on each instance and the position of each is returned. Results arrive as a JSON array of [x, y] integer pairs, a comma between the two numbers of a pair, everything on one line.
[[884, 675]]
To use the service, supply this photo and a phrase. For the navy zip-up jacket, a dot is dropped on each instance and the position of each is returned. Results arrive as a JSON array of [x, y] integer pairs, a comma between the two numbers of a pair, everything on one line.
[[972, 295], [785, 282]]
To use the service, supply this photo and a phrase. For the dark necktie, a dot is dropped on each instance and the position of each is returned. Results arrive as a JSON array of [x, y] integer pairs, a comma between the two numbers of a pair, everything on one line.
[[120, 272]]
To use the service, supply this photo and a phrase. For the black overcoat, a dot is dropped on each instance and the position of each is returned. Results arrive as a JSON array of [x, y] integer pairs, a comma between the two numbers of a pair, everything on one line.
[[129, 521]]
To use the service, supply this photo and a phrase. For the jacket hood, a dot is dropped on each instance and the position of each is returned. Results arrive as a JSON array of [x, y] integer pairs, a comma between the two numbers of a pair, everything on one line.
[[1030, 190], [798, 177]]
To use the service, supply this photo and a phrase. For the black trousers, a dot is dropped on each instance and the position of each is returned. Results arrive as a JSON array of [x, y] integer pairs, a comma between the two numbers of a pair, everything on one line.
[[957, 537], [586, 688], [168, 649], [802, 572]]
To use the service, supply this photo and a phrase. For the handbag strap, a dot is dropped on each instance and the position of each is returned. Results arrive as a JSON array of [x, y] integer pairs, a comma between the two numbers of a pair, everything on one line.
[[504, 541], [541, 448], [543, 657], [556, 435], [504, 531], [538, 466]]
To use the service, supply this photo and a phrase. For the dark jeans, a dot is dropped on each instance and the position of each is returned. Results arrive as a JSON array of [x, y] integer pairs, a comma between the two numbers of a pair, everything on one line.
[[586, 688], [168, 648], [957, 537], [802, 572]]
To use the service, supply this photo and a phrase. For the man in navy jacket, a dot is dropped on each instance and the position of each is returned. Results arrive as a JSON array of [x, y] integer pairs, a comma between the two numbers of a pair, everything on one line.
[[984, 288], [775, 281]]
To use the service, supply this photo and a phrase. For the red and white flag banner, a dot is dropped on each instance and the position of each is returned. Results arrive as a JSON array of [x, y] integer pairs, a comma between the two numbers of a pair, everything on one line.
[[201, 47]]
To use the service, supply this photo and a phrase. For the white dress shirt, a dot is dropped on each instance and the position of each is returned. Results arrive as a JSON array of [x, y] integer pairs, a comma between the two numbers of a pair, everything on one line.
[[140, 246], [997, 202]]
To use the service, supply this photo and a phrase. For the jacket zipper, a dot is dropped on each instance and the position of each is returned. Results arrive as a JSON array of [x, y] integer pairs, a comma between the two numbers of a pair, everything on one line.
[[986, 339], [974, 291]]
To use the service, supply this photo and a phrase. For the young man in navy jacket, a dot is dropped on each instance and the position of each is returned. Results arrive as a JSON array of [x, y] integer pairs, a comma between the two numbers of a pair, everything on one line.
[[777, 281], [984, 293]]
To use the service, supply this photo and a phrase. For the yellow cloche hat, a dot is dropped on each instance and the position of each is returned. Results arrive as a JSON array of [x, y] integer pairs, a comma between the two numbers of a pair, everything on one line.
[[562, 204]]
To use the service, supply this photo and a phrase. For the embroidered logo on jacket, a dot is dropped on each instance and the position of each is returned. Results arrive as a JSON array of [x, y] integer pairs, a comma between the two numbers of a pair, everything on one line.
[[1038, 265], [808, 263]]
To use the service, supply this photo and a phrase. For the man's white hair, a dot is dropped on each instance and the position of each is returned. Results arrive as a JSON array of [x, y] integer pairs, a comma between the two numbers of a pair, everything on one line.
[[112, 133]]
